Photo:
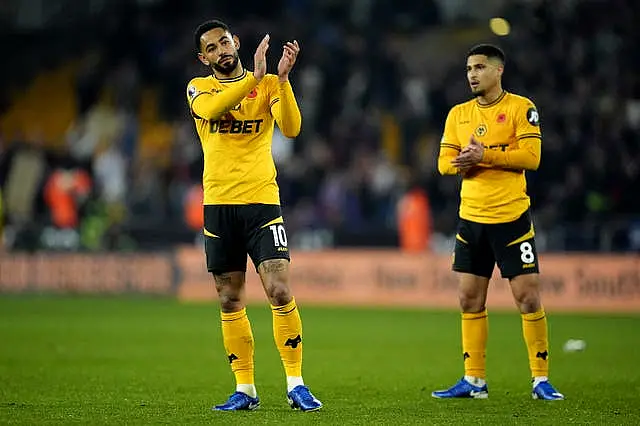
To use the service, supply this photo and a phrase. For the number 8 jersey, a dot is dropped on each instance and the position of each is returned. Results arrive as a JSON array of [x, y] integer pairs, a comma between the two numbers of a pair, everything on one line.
[[495, 191]]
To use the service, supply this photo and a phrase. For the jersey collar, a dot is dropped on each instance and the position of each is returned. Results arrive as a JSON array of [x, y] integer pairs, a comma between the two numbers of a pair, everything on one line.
[[232, 79], [498, 99]]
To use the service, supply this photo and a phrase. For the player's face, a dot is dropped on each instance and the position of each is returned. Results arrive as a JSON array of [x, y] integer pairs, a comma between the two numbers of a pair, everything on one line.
[[219, 50], [483, 74]]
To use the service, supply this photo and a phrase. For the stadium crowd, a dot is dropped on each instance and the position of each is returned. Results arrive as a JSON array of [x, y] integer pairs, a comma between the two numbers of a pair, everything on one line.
[[372, 122]]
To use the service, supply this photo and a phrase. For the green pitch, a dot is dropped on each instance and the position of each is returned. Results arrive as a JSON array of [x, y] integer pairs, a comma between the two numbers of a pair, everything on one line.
[[142, 361]]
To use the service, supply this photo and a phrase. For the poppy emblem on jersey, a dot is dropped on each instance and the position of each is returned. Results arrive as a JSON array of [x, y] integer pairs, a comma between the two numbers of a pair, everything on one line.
[[502, 117], [481, 130], [252, 94]]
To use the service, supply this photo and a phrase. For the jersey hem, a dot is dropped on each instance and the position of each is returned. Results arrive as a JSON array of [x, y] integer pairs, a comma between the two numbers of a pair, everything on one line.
[[240, 203], [489, 221]]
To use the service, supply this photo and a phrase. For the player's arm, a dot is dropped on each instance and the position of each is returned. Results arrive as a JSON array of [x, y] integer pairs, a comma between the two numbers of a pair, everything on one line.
[[284, 109], [449, 146], [527, 155], [211, 106]]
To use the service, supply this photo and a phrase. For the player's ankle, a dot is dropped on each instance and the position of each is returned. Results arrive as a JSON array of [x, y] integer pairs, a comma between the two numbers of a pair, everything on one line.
[[475, 381], [539, 379], [293, 381], [247, 388]]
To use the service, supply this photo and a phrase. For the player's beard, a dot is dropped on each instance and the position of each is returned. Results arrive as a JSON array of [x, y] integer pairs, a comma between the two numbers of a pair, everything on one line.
[[228, 67], [478, 92]]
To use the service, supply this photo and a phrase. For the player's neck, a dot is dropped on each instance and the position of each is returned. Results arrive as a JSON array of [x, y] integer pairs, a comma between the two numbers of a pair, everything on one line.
[[491, 95], [237, 72]]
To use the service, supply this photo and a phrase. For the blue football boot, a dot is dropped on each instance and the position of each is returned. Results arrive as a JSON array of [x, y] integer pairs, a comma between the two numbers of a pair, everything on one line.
[[238, 401], [301, 398], [544, 390], [463, 389]]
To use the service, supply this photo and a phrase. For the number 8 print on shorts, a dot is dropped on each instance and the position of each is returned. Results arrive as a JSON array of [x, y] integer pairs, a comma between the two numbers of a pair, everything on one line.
[[526, 250]]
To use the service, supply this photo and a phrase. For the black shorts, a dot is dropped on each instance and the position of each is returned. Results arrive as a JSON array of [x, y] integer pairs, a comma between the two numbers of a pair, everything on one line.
[[233, 231], [479, 246]]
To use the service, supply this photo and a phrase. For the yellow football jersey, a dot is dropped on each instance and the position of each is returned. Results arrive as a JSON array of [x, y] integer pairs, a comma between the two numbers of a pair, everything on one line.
[[495, 191], [235, 120]]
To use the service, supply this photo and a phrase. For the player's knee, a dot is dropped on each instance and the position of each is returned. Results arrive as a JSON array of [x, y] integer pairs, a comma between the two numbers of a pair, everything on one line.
[[275, 278], [528, 302], [230, 298], [229, 288], [526, 292], [471, 301], [279, 293], [230, 302]]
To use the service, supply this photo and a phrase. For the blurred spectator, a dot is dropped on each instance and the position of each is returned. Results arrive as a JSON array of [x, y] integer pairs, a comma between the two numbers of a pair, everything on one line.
[[414, 220], [374, 80], [193, 214], [26, 169], [65, 191]]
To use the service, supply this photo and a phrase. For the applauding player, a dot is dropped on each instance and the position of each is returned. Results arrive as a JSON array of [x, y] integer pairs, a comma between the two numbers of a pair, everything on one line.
[[234, 112]]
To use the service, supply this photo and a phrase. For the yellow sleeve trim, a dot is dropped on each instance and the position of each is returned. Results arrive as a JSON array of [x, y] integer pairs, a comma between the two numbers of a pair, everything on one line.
[[530, 135], [450, 145]]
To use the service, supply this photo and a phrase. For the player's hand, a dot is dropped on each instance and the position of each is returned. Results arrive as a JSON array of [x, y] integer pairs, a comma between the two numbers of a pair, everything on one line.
[[289, 55], [260, 59], [470, 155]]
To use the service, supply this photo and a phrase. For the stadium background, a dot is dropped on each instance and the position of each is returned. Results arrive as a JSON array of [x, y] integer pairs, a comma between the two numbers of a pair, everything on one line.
[[100, 165], [98, 152]]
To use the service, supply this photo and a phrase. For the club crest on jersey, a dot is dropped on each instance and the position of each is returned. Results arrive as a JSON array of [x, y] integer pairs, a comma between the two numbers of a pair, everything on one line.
[[192, 91], [533, 117], [481, 130]]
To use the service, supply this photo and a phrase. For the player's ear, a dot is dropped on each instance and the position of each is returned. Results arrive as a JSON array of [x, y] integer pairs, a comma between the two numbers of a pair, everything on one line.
[[236, 42], [204, 60]]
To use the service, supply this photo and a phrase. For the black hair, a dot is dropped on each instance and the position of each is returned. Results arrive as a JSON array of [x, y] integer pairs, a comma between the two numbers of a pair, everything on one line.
[[489, 50], [207, 26]]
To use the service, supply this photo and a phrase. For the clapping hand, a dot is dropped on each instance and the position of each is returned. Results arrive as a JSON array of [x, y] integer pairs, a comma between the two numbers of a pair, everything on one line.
[[470, 156], [289, 55]]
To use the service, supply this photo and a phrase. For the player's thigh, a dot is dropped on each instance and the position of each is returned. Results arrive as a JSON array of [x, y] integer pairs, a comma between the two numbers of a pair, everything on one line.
[[266, 235], [224, 240], [515, 247], [472, 252]]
